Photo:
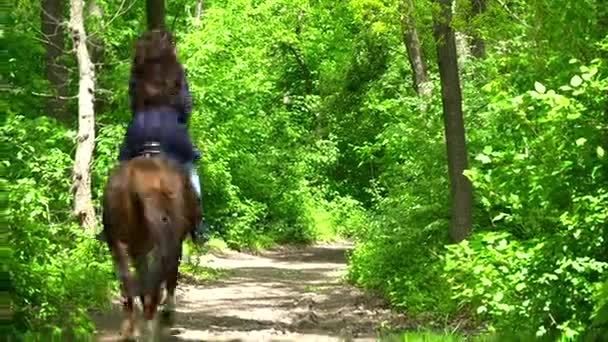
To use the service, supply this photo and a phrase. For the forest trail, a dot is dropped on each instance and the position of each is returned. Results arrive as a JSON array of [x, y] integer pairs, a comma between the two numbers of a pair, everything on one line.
[[286, 294]]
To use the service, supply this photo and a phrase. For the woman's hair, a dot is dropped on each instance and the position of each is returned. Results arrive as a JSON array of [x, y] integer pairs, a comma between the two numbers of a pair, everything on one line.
[[157, 74]]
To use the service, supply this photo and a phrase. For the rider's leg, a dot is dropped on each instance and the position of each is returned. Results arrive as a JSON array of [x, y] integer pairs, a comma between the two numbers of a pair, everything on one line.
[[195, 180]]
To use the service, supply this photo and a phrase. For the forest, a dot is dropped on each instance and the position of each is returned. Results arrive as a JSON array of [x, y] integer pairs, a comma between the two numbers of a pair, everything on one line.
[[460, 145]]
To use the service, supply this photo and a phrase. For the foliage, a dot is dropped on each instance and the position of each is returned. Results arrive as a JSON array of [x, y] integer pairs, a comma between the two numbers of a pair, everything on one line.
[[258, 166], [50, 259], [550, 207], [409, 211], [310, 130]]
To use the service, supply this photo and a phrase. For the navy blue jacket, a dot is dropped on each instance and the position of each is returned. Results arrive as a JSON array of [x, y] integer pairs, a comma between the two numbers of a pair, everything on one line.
[[165, 124]]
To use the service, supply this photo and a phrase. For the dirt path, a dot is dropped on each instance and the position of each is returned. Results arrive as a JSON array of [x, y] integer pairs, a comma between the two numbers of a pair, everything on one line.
[[289, 294]]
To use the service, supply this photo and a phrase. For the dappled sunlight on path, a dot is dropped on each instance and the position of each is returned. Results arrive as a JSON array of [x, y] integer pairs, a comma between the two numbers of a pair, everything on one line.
[[287, 294]]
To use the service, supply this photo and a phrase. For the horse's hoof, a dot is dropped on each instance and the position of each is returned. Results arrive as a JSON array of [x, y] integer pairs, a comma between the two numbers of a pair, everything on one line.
[[154, 331], [128, 331], [129, 338]]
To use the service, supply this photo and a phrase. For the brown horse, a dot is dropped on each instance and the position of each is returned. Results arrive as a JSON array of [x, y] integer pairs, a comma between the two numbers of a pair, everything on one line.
[[149, 207]]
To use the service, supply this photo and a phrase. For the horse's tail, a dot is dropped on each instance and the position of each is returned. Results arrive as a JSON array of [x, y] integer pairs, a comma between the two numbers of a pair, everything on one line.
[[153, 198]]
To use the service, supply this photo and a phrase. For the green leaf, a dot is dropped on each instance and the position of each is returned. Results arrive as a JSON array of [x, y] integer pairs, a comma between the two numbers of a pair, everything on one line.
[[576, 81], [600, 152], [486, 201], [481, 309], [539, 87], [499, 217], [573, 116], [580, 141], [520, 156], [593, 71], [483, 158]]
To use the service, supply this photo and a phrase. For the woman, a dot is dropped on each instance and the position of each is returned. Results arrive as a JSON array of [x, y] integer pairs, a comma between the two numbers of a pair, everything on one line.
[[160, 104]]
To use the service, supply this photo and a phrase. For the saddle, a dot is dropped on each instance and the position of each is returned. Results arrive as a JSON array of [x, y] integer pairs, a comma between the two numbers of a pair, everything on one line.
[[152, 148]]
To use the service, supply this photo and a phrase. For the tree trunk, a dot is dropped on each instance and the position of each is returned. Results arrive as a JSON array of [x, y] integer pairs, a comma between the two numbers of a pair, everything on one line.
[[83, 204], [155, 13], [460, 187], [56, 72], [478, 49], [414, 50], [304, 71], [198, 12], [95, 44]]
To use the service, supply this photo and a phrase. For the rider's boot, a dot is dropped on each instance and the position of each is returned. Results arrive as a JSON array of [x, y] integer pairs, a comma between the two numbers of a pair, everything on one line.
[[201, 231]]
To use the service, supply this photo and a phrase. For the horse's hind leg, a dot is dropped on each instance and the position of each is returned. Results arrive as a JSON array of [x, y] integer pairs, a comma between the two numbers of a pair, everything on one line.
[[119, 255], [128, 329], [168, 312], [141, 266]]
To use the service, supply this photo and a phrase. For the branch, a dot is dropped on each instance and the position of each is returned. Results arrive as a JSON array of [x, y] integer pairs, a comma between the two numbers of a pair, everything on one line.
[[52, 18], [179, 12], [47, 42], [504, 6], [116, 15], [104, 91], [54, 96], [303, 67]]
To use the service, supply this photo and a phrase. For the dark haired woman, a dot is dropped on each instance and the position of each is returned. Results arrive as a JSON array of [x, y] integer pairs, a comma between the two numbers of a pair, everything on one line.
[[160, 104]]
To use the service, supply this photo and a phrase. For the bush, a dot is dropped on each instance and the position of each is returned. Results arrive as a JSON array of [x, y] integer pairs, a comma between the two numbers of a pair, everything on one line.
[[56, 272], [547, 207]]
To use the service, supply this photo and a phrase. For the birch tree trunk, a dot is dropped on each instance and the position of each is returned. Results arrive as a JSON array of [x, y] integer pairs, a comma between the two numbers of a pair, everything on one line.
[[414, 50], [83, 204], [451, 97], [198, 12]]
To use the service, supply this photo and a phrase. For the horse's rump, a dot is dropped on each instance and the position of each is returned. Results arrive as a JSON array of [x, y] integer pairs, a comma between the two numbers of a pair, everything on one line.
[[154, 185], [149, 204]]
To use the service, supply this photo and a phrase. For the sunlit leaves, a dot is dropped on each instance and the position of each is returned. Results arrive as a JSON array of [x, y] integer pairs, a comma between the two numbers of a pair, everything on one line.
[[576, 81], [539, 87], [483, 158]]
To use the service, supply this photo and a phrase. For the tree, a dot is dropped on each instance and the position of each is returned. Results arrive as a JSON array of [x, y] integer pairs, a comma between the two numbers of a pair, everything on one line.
[[478, 49], [414, 50], [56, 73], [155, 13], [460, 186], [85, 140], [198, 12]]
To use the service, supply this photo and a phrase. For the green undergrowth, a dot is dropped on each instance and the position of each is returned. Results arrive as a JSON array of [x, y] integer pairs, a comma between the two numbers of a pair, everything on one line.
[[454, 337], [202, 273], [536, 259], [192, 266], [310, 130]]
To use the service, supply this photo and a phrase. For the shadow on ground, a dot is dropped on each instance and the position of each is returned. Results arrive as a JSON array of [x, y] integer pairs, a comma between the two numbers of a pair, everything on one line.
[[286, 294]]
